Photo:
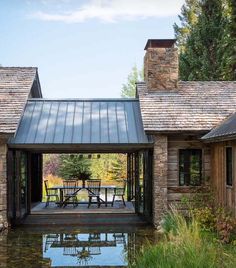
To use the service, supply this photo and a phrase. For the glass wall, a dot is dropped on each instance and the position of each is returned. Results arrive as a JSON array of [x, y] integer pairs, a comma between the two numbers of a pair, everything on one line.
[[23, 182]]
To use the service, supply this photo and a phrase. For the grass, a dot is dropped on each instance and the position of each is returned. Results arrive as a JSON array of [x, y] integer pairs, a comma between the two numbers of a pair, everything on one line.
[[185, 245]]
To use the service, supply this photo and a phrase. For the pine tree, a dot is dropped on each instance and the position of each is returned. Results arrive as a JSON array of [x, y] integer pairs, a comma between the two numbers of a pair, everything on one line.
[[188, 18], [203, 58], [230, 41], [74, 166]]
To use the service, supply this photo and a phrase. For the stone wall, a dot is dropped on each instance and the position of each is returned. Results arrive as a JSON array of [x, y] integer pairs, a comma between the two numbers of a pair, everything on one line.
[[3, 183], [161, 67], [160, 160]]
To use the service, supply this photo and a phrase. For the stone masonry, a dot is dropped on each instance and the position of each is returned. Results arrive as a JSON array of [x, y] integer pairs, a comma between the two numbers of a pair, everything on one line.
[[160, 162], [3, 184], [161, 67]]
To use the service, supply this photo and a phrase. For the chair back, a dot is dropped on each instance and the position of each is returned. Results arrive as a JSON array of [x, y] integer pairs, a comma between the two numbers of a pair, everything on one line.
[[94, 187], [46, 186], [71, 184], [121, 190]]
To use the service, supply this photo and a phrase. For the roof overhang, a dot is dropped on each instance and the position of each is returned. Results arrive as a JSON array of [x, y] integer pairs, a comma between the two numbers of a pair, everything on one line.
[[75, 125]]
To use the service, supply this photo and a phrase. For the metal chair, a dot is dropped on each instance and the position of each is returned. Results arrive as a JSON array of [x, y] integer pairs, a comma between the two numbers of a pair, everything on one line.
[[119, 192], [94, 187], [50, 193], [70, 192]]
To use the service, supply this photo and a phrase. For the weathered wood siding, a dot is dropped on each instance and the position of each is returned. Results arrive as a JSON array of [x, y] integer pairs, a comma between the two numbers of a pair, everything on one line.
[[175, 143], [225, 195]]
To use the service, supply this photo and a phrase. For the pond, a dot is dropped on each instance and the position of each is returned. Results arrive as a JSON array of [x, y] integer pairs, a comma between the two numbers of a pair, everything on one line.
[[100, 247]]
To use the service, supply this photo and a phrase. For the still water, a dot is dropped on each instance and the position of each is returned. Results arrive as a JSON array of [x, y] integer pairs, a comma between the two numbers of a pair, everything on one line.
[[100, 247]]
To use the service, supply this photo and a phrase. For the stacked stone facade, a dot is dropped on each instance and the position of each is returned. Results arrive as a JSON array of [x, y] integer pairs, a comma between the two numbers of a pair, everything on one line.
[[160, 165], [3, 183], [161, 67]]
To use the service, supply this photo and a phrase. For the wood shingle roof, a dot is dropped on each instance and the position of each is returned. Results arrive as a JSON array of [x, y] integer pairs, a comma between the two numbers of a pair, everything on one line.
[[195, 106], [15, 87]]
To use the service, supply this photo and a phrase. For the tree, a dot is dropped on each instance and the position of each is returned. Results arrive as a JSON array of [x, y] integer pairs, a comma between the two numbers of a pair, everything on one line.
[[129, 89], [230, 41], [51, 164], [188, 19], [203, 57], [74, 166]]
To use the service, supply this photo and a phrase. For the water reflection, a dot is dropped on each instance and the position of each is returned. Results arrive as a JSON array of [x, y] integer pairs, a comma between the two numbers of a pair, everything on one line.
[[73, 248], [86, 249]]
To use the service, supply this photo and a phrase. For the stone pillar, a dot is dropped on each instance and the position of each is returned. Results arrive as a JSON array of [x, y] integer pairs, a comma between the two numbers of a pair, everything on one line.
[[160, 162], [3, 185]]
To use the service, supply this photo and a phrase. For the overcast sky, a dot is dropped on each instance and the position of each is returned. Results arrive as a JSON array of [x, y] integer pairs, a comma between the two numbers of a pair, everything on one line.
[[83, 49]]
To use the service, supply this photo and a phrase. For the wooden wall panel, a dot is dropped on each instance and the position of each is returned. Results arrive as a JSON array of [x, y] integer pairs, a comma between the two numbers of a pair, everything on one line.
[[225, 195], [176, 192]]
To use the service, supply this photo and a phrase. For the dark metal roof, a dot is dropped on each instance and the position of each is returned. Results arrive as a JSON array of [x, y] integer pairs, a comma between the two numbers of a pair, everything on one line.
[[81, 122], [227, 129]]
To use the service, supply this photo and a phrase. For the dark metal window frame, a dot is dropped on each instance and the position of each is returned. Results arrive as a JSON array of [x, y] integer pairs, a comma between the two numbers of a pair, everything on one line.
[[229, 165], [188, 153]]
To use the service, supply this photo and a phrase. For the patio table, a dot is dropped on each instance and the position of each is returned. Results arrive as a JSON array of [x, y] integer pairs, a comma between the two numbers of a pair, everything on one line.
[[78, 188]]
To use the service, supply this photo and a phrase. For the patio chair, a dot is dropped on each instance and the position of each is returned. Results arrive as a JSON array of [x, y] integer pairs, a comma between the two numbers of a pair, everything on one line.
[[94, 187], [119, 192], [50, 194], [70, 194]]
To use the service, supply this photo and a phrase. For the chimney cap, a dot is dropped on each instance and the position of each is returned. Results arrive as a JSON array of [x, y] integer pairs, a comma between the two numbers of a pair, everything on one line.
[[163, 43]]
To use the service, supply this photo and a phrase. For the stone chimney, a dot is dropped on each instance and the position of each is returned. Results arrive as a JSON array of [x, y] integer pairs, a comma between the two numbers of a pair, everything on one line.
[[161, 65]]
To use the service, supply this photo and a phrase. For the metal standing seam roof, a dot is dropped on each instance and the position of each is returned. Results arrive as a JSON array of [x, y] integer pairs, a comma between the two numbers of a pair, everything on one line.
[[226, 129], [75, 121]]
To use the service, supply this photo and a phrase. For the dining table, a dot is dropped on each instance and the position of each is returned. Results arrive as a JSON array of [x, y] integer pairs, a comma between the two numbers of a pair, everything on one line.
[[61, 189]]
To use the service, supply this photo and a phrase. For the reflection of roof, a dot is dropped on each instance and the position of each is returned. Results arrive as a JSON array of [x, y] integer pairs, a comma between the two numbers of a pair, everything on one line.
[[195, 106], [225, 130], [101, 121], [15, 86]]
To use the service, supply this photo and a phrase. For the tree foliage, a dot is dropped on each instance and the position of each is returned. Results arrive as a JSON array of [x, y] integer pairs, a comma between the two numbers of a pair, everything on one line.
[[205, 36], [74, 166], [129, 89]]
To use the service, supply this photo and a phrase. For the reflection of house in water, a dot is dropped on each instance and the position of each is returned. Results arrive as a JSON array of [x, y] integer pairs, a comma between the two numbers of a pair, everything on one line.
[[88, 249]]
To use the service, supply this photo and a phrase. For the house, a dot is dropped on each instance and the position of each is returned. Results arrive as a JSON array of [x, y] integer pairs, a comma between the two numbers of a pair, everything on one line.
[[181, 127], [17, 84]]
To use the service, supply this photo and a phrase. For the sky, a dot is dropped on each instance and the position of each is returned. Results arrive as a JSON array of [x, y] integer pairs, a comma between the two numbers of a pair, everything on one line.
[[83, 49]]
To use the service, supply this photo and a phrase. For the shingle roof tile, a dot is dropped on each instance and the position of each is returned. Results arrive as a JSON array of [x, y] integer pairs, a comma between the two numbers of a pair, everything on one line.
[[15, 86], [195, 106]]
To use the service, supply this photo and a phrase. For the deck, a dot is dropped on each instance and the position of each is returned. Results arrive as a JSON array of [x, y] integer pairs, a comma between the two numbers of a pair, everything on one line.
[[118, 207], [83, 216]]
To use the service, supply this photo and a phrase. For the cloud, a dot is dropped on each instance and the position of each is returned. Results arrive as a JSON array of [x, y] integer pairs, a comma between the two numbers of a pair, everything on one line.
[[113, 10]]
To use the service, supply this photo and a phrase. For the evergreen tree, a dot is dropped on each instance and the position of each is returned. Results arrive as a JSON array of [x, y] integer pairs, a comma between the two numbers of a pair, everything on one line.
[[230, 41], [188, 18], [74, 166], [203, 58], [129, 89]]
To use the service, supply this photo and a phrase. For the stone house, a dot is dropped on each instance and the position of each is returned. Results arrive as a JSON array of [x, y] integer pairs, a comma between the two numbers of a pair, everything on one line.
[[178, 118]]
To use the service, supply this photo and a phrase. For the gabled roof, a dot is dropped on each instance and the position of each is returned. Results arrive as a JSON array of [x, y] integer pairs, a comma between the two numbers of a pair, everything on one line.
[[225, 130], [195, 106], [15, 87], [46, 123]]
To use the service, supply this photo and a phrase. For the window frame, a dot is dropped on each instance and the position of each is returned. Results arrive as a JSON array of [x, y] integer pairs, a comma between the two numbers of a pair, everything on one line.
[[188, 152], [229, 181]]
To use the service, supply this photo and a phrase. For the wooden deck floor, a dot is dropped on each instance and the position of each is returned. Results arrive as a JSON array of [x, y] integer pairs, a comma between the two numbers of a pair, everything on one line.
[[118, 208]]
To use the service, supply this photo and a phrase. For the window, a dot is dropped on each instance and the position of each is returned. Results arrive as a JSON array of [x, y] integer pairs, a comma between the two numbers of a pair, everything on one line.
[[229, 166], [190, 167]]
